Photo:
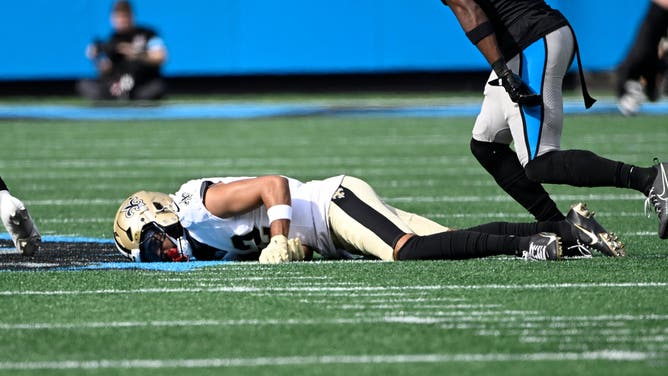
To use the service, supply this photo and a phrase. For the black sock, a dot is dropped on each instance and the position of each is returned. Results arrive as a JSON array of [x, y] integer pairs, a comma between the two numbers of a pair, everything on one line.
[[517, 228], [641, 178], [458, 245], [582, 168], [502, 163]]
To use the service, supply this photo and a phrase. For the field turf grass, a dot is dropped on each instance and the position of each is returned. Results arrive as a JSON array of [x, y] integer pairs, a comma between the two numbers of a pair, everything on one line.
[[501, 316]]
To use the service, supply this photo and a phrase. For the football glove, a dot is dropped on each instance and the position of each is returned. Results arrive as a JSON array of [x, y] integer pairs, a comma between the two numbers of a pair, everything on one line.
[[518, 91], [280, 250], [295, 249], [276, 252]]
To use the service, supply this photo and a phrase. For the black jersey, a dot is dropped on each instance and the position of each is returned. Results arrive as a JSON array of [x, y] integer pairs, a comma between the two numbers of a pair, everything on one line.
[[138, 37], [518, 23]]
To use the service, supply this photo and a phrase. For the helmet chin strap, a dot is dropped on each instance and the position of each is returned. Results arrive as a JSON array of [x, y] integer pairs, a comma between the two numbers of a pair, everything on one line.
[[183, 250]]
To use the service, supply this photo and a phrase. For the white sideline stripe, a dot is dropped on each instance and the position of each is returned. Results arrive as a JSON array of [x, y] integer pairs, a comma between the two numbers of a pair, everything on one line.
[[334, 288], [461, 317], [613, 355]]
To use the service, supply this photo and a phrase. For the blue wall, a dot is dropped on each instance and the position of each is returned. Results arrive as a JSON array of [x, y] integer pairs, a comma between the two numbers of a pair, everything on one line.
[[45, 39]]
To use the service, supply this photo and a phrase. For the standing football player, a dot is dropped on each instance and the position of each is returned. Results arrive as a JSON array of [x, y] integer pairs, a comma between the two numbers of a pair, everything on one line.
[[530, 47], [276, 219], [18, 222]]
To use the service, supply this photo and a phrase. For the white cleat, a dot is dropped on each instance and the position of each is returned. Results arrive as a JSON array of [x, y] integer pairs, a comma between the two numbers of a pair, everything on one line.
[[630, 102], [20, 225]]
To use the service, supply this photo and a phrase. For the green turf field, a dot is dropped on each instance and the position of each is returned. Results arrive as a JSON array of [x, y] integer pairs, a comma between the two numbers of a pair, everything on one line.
[[500, 316]]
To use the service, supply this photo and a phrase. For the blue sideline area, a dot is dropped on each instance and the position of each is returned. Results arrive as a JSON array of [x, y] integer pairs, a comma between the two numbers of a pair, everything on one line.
[[64, 239], [259, 110], [155, 266]]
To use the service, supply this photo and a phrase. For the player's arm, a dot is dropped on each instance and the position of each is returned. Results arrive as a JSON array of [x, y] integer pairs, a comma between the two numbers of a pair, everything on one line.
[[227, 200], [480, 32], [477, 27], [156, 53], [242, 196]]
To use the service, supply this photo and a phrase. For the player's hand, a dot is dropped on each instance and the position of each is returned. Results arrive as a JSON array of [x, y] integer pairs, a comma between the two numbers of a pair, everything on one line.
[[518, 91], [276, 252], [295, 249]]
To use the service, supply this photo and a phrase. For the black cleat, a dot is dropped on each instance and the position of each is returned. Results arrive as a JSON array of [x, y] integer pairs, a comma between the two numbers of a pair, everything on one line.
[[543, 246], [658, 198], [589, 234]]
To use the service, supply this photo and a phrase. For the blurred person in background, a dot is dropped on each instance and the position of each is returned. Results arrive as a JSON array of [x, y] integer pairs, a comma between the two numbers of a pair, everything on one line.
[[18, 222], [128, 63], [638, 76]]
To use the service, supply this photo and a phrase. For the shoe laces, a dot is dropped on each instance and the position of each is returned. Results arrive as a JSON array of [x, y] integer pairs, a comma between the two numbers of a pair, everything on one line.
[[583, 249], [536, 254], [652, 204], [654, 198], [537, 251]]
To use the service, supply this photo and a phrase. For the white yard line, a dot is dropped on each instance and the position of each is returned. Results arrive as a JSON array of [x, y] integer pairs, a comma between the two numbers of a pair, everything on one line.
[[610, 355], [326, 289], [501, 319]]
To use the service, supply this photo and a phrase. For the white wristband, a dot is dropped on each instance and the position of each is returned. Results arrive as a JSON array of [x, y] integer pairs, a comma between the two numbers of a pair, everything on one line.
[[279, 212]]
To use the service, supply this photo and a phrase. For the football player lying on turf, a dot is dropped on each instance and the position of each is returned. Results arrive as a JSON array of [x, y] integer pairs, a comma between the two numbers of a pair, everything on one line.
[[276, 219]]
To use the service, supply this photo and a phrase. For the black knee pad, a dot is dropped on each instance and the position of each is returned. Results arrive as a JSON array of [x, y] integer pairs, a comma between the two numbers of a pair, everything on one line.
[[487, 153]]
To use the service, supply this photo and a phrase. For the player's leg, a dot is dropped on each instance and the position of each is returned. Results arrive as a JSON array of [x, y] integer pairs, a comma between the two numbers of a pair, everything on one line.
[[151, 90], [465, 244], [491, 147], [92, 89], [361, 222], [642, 61], [537, 130], [18, 222], [501, 162], [563, 229], [537, 133], [418, 224]]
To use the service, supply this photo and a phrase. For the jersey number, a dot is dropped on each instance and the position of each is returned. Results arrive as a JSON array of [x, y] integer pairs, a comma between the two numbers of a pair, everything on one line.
[[252, 240]]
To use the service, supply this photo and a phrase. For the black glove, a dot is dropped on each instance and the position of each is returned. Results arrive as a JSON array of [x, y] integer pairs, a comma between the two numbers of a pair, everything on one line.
[[518, 91]]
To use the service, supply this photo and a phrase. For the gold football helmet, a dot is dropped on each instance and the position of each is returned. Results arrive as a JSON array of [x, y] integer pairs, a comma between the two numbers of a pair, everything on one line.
[[143, 221]]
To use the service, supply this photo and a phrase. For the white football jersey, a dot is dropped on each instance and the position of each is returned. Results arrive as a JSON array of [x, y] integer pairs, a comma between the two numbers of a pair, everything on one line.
[[249, 232]]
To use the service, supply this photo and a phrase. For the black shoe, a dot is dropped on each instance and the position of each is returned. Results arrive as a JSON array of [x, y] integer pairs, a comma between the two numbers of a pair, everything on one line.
[[658, 198], [589, 234], [543, 246]]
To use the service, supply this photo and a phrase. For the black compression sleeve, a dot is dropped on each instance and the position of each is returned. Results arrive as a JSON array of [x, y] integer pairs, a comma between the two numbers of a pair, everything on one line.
[[502, 163], [479, 32]]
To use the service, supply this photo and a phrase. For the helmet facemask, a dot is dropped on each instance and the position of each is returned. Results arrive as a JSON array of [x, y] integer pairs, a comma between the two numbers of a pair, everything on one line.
[[152, 244]]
